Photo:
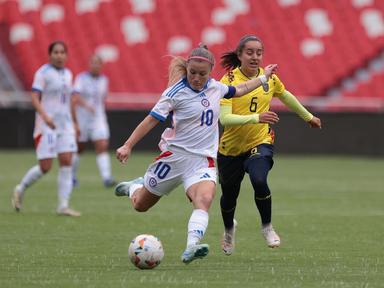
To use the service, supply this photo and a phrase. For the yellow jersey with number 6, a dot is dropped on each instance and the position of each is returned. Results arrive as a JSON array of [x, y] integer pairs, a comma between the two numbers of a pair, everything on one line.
[[239, 139]]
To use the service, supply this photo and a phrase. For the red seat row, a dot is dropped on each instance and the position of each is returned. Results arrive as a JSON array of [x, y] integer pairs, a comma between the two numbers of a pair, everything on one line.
[[142, 67]]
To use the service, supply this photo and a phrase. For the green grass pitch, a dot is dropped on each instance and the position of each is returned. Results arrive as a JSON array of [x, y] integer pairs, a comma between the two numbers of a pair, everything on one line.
[[329, 212]]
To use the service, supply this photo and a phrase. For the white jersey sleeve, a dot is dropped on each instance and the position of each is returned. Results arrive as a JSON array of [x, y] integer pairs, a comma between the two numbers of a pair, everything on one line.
[[38, 81], [164, 106], [226, 91]]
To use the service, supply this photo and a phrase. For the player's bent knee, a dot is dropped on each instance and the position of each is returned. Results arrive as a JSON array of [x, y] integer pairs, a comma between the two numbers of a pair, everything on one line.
[[45, 170], [205, 200], [259, 182], [139, 207]]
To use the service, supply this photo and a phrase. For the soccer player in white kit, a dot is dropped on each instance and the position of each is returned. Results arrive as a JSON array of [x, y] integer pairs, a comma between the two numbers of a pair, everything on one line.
[[189, 146], [54, 132], [90, 91]]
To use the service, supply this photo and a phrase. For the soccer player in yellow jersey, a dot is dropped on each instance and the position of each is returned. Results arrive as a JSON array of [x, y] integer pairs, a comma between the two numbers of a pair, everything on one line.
[[246, 145]]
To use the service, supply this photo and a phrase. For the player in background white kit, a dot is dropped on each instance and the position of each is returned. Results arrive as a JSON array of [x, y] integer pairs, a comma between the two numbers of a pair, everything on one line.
[[189, 147], [90, 91], [54, 132]]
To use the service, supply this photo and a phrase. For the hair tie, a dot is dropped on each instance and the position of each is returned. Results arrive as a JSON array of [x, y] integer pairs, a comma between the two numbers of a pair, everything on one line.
[[201, 58]]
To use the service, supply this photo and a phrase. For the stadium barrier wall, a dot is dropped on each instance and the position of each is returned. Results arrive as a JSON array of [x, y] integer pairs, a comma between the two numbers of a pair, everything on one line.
[[342, 133]]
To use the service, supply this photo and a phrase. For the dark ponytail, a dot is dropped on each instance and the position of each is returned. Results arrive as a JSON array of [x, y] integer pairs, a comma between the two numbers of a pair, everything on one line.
[[230, 59]]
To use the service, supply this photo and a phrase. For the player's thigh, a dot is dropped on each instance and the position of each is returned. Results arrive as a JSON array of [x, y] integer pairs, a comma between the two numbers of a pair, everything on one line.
[[66, 145], [231, 170], [200, 179], [100, 132], [260, 163], [85, 127], [101, 145], [165, 174], [202, 194]]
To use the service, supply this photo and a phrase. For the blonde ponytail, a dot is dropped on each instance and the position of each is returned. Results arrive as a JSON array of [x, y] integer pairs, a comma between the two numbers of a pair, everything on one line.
[[177, 69]]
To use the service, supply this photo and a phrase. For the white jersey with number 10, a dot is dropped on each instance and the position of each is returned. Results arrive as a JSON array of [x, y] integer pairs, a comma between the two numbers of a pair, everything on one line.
[[194, 117]]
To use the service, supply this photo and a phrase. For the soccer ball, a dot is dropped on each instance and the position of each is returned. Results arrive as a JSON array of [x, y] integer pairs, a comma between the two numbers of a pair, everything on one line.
[[145, 251]]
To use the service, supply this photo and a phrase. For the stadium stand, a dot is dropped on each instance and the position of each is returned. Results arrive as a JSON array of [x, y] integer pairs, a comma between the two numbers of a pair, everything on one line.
[[318, 44]]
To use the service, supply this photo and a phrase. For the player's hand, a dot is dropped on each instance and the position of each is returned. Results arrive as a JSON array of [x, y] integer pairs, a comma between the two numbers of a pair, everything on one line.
[[77, 130], [315, 122], [269, 117], [49, 122], [270, 69], [123, 153]]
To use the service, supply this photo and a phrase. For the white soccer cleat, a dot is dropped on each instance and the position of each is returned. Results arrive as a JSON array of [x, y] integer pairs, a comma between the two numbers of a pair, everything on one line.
[[17, 198], [228, 241], [273, 240], [194, 252], [68, 212], [122, 189]]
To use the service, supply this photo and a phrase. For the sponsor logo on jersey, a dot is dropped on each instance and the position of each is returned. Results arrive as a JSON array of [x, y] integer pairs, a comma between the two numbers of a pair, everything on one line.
[[205, 102]]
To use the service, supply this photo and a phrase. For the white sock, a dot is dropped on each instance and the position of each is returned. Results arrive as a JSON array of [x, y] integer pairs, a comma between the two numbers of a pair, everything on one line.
[[198, 223], [75, 164], [104, 164], [65, 186], [30, 177], [133, 188]]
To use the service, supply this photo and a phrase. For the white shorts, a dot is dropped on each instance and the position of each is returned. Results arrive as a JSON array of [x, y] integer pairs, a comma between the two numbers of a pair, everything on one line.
[[51, 143], [93, 130], [171, 169]]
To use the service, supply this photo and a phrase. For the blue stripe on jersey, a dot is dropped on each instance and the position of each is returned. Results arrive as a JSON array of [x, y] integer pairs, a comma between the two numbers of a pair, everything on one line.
[[36, 90], [176, 88], [157, 116], [231, 92]]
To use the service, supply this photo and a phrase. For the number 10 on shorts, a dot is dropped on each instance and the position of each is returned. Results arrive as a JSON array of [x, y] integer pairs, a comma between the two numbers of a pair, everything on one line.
[[162, 169]]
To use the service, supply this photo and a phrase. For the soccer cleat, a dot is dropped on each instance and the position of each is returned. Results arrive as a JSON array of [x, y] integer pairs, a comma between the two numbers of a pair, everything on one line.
[[68, 212], [194, 252], [109, 182], [17, 198], [122, 189], [273, 240], [228, 241]]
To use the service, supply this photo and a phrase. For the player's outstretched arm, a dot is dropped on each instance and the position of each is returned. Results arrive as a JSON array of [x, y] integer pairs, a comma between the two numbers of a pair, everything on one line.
[[141, 130], [292, 103], [252, 84], [227, 118]]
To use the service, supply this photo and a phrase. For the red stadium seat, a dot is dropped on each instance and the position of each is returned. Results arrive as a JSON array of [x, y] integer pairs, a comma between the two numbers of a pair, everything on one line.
[[141, 67]]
